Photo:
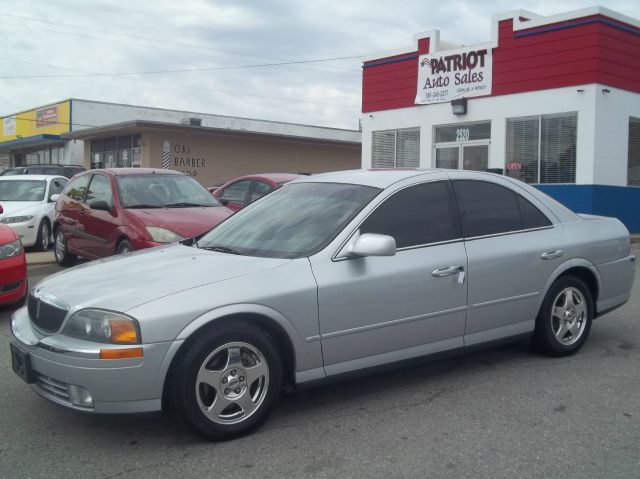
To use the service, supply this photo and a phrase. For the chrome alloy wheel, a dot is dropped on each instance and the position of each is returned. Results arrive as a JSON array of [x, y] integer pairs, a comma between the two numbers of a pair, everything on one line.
[[569, 315], [60, 245], [44, 236], [232, 383]]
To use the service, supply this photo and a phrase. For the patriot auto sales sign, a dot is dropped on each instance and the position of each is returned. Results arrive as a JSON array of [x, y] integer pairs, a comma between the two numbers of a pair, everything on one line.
[[454, 75]]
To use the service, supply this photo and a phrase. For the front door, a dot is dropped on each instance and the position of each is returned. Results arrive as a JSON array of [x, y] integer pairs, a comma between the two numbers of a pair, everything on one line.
[[375, 310]]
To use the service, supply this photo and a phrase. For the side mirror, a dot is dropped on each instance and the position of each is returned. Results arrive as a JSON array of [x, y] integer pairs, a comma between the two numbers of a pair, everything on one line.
[[223, 202], [53, 198], [370, 244], [100, 205]]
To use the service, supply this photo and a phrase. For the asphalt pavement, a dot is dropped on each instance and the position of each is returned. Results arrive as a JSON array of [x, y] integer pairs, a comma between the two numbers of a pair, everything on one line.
[[500, 413]]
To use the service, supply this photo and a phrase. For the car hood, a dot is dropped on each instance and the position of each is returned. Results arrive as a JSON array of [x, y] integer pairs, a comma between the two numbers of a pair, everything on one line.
[[122, 282], [187, 222], [18, 208]]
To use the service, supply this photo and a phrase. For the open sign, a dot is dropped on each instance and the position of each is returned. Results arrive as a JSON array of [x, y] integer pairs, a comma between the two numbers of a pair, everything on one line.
[[514, 165]]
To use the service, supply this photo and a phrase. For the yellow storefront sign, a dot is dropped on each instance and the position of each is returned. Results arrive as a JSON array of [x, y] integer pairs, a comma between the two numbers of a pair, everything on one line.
[[52, 119]]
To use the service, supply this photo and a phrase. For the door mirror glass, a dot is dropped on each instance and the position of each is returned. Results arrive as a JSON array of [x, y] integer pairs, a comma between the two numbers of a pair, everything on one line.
[[371, 244]]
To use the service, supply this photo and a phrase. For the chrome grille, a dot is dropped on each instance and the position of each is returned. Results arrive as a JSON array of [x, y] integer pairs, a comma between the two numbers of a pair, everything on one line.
[[45, 316], [53, 388]]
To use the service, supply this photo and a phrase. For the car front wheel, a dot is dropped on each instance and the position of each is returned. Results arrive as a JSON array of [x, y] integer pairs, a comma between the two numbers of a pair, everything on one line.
[[63, 257], [564, 320], [44, 234], [226, 382]]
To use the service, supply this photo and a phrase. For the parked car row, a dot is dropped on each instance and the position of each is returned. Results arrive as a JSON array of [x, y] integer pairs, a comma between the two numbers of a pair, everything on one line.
[[44, 169], [329, 275]]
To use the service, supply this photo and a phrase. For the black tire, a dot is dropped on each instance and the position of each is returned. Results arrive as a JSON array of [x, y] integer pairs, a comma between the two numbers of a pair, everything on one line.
[[124, 246], [60, 251], [548, 337], [44, 233], [188, 395]]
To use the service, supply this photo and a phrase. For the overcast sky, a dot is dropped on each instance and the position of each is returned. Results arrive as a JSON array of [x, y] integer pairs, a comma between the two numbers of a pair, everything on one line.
[[68, 37]]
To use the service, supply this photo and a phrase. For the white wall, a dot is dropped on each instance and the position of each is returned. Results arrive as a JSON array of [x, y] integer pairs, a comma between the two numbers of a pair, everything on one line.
[[611, 135], [73, 153], [497, 109]]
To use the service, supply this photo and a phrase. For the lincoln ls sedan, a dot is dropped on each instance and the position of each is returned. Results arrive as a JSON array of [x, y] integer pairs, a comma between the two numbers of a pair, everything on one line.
[[331, 274]]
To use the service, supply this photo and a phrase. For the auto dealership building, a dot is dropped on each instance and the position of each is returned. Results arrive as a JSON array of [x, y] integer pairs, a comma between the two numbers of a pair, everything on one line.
[[211, 148], [554, 101]]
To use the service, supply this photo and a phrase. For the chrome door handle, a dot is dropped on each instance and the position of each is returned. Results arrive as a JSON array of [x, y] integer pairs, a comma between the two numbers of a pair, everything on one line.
[[446, 271], [556, 253]]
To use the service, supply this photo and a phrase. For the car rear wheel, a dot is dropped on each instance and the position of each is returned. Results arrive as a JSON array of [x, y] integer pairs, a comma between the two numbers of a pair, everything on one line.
[[63, 257], [227, 381], [44, 234], [564, 320], [124, 246]]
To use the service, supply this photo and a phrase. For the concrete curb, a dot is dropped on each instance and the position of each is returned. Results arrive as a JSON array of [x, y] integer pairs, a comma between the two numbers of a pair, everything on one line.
[[40, 257]]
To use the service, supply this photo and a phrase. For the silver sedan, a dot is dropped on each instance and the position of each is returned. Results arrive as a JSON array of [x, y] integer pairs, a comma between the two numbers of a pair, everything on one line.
[[331, 274]]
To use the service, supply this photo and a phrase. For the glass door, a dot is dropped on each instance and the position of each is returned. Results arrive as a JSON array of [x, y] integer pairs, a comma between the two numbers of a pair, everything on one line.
[[448, 157], [475, 157]]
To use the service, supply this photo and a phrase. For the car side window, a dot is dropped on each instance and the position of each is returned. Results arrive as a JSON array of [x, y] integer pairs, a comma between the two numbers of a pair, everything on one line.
[[56, 186], [100, 190], [417, 215], [489, 208], [77, 188], [236, 192], [532, 217], [260, 188]]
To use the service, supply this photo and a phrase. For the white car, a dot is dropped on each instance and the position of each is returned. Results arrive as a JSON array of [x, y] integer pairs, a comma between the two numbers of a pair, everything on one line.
[[26, 206]]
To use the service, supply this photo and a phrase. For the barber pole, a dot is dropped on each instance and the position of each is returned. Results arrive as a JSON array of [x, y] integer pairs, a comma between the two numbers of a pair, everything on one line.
[[166, 155]]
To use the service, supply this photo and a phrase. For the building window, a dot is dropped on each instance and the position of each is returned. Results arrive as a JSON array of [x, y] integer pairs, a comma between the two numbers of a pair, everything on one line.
[[633, 165], [121, 151], [542, 149], [396, 148]]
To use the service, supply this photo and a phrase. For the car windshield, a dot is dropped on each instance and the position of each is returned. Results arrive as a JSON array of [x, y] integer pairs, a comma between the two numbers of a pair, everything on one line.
[[12, 172], [22, 190], [163, 191], [295, 221]]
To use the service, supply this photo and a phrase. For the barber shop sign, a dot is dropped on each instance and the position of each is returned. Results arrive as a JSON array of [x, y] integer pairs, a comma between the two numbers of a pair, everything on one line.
[[456, 74]]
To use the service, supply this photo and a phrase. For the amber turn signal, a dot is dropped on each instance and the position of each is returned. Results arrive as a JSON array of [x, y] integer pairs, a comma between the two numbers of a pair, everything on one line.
[[121, 353], [123, 331]]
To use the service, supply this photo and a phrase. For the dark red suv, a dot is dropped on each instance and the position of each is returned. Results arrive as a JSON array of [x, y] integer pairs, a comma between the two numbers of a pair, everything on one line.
[[112, 211]]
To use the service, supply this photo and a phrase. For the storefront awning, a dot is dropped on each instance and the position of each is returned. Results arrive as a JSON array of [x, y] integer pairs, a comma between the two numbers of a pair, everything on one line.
[[31, 142]]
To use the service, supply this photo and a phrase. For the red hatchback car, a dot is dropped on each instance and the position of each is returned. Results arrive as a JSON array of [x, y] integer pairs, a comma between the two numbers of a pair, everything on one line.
[[13, 268], [239, 192], [104, 212]]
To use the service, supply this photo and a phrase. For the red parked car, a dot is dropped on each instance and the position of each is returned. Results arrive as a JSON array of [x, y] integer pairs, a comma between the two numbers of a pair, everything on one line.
[[13, 268], [104, 212], [239, 192]]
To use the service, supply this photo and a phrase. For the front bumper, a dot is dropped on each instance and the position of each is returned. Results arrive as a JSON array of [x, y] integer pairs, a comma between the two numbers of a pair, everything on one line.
[[59, 364], [27, 232], [13, 279]]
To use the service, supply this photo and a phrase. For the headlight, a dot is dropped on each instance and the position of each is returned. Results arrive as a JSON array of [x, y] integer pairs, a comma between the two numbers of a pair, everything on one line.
[[103, 326], [15, 219], [163, 235], [10, 250]]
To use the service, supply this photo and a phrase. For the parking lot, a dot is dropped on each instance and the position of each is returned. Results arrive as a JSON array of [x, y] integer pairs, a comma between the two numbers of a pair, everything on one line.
[[503, 412]]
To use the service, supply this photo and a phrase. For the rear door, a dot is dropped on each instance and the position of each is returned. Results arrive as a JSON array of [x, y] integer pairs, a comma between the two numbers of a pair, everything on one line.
[[71, 211], [100, 226], [513, 245]]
